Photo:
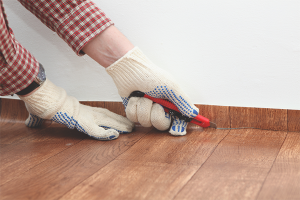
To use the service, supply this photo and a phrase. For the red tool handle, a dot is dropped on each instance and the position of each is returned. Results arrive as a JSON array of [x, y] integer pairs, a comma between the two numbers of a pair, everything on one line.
[[198, 120]]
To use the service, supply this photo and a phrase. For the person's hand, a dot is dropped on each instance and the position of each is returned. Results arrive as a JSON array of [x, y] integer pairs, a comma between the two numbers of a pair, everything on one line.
[[135, 72], [52, 102], [147, 113]]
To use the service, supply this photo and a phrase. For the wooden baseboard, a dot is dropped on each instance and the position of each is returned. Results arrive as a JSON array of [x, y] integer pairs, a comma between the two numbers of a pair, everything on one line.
[[224, 116]]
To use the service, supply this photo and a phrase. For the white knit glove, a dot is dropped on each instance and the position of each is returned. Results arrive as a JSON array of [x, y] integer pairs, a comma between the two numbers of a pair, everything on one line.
[[143, 111], [52, 102], [135, 72], [147, 113]]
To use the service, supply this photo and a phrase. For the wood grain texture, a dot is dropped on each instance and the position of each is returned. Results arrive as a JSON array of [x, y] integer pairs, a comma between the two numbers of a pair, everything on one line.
[[13, 111], [192, 149], [283, 182], [133, 180], [151, 170], [34, 148], [58, 174], [262, 118], [217, 114], [294, 120], [54, 162], [19, 131], [237, 168], [58, 163]]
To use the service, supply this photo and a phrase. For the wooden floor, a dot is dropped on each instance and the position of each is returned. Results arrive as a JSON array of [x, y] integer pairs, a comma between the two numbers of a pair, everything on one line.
[[53, 162]]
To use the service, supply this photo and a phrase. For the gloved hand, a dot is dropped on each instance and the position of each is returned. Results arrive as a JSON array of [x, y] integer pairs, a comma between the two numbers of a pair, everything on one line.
[[52, 102], [147, 113], [135, 72]]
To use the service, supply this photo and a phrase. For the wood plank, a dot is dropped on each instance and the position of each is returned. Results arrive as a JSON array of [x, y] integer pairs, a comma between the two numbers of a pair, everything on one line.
[[237, 168], [123, 179], [262, 118], [283, 181], [192, 149], [32, 150], [13, 132], [57, 175], [294, 120], [55, 163], [13, 110], [156, 167], [12, 116]]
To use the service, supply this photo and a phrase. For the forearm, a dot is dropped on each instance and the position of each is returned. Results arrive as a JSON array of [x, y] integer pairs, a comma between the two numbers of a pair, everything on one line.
[[107, 47]]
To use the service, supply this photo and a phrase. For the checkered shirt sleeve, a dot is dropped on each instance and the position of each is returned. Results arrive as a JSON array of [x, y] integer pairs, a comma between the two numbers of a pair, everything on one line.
[[18, 68], [75, 21]]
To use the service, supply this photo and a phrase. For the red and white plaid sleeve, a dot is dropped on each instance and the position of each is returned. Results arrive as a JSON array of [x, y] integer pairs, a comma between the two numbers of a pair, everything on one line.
[[75, 21], [18, 68]]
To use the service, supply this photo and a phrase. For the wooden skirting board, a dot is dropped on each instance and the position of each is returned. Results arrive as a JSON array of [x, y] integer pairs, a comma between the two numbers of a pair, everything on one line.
[[223, 116]]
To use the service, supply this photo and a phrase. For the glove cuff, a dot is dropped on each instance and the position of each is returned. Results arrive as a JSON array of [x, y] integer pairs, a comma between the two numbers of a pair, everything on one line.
[[133, 69], [46, 101], [134, 54], [124, 70]]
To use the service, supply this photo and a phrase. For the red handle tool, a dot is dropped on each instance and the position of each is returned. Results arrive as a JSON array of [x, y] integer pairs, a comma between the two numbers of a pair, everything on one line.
[[198, 120]]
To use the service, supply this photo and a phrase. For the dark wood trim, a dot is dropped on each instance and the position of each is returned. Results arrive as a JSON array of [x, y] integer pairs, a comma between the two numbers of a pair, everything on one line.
[[224, 116], [293, 120], [262, 118]]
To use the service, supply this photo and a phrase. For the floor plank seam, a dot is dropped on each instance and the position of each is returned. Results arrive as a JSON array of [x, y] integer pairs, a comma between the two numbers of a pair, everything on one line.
[[116, 158], [201, 165], [40, 163], [67, 191], [102, 166], [263, 183], [83, 180]]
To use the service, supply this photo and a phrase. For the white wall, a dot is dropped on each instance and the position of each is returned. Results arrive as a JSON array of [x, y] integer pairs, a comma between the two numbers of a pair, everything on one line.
[[230, 53]]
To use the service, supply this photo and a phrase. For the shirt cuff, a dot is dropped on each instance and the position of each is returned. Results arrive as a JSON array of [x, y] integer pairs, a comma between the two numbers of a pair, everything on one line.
[[82, 24]]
